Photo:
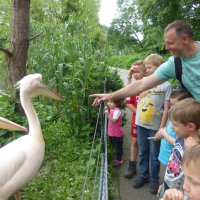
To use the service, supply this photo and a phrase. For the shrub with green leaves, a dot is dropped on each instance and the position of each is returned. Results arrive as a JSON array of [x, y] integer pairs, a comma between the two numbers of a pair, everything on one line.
[[125, 61], [69, 55]]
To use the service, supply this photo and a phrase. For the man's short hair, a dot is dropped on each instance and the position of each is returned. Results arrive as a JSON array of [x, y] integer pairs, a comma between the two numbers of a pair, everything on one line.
[[181, 27]]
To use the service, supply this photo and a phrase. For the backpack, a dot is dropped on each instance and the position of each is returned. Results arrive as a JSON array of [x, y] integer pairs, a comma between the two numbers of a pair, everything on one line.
[[178, 70]]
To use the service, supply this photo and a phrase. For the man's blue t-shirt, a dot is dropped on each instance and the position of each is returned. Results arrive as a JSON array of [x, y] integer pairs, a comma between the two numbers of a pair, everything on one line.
[[190, 72]]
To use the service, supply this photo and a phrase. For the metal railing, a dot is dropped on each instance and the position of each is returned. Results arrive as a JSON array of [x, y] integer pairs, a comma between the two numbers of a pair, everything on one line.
[[101, 172]]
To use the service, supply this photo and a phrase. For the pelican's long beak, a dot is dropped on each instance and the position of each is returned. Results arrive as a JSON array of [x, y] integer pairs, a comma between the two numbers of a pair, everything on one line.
[[6, 124], [48, 92]]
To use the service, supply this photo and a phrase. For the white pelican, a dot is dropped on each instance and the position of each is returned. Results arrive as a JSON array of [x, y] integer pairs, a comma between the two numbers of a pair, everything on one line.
[[21, 159], [7, 124]]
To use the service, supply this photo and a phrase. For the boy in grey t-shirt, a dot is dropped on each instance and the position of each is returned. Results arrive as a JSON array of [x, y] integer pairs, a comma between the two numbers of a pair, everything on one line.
[[151, 115]]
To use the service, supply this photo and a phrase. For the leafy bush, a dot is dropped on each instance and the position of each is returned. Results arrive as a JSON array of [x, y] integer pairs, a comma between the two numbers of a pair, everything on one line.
[[125, 61], [63, 172], [75, 71], [69, 55], [7, 110]]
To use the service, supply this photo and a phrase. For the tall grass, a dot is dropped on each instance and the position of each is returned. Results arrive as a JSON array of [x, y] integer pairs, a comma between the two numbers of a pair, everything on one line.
[[70, 64]]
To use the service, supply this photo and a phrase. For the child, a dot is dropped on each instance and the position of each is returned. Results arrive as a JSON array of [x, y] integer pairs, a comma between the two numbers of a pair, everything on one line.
[[115, 129], [191, 186], [138, 72], [168, 134], [185, 117], [151, 116]]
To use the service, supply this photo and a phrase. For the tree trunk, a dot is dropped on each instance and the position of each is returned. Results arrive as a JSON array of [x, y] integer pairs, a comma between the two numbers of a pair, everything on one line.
[[19, 40]]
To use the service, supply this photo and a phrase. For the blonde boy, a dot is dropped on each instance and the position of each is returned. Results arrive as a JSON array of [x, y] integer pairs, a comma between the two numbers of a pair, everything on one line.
[[151, 115]]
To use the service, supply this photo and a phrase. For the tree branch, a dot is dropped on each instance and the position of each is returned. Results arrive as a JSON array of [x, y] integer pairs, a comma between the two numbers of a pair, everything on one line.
[[137, 38], [6, 51], [35, 36]]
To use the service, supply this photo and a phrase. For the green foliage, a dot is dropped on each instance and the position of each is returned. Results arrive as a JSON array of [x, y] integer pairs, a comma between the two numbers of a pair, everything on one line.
[[74, 73], [155, 18], [7, 110], [3, 77], [149, 18], [123, 33], [125, 61], [63, 172], [5, 22], [69, 55]]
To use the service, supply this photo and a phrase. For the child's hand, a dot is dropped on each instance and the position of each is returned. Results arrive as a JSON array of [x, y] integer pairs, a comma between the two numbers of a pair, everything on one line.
[[158, 135], [173, 194], [131, 71], [163, 131], [106, 110]]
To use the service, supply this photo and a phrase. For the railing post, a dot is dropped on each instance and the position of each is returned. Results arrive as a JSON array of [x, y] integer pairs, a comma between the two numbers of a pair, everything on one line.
[[103, 189]]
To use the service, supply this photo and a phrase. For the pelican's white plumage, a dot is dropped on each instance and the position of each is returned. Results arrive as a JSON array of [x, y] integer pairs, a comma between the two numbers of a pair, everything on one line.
[[21, 159]]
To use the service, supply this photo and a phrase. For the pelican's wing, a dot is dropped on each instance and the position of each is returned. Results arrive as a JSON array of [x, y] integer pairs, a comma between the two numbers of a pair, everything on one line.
[[10, 163]]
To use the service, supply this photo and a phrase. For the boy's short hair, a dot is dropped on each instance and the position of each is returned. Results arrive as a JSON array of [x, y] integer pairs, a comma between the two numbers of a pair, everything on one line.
[[180, 94], [186, 111], [191, 155], [139, 63], [154, 59]]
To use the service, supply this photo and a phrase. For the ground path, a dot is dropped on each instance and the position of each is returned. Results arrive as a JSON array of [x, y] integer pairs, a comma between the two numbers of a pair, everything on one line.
[[125, 191]]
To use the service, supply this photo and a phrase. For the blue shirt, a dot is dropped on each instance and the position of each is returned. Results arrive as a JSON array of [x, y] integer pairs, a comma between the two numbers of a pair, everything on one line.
[[166, 147], [190, 72]]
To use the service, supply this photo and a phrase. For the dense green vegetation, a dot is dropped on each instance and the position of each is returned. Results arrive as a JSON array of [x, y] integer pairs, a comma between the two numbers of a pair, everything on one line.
[[69, 55], [137, 30], [72, 53]]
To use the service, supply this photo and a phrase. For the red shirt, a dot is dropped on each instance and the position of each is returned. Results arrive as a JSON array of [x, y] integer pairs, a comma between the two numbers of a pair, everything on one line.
[[134, 101]]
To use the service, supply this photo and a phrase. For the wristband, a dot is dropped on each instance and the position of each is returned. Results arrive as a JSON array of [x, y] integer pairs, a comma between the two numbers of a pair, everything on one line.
[[129, 77]]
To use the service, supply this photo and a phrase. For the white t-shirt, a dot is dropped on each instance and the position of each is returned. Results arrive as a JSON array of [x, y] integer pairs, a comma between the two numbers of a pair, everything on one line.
[[151, 106], [117, 114]]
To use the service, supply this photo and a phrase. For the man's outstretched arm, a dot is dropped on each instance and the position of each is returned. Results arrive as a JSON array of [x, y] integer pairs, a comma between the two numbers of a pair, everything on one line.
[[130, 90]]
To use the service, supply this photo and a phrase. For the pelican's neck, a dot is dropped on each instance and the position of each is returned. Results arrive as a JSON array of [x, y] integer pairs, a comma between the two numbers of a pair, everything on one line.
[[33, 121]]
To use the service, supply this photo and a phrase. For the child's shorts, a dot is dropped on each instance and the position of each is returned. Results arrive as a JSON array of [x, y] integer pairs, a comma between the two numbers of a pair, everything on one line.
[[134, 131]]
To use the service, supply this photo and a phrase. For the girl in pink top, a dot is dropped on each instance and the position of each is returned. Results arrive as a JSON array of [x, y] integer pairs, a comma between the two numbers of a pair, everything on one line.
[[115, 129]]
